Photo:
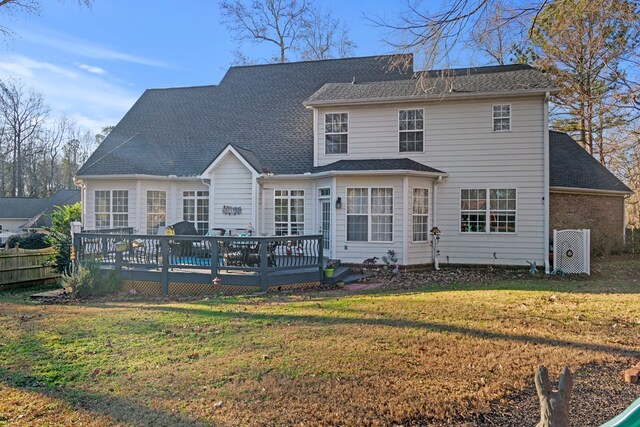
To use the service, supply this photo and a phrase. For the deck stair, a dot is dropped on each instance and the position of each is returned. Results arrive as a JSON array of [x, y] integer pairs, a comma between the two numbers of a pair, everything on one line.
[[343, 274]]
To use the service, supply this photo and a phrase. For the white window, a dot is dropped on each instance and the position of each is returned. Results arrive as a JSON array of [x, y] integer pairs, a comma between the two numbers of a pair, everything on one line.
[[156, 210], [289, 212], [411, 130], [195, 209], [420, 214], [501, 118], [336, 133], [492, 210], [111, 208], [369, 214]]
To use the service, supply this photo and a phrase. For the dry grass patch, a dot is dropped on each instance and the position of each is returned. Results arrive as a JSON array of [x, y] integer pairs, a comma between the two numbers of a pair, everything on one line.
[[434, 355]]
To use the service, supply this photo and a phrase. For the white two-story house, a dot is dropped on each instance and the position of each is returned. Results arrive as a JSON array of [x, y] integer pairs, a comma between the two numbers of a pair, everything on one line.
[[369, 158]]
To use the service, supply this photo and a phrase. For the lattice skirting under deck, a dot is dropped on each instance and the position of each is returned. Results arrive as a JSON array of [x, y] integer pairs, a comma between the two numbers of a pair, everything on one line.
[[155, 288]]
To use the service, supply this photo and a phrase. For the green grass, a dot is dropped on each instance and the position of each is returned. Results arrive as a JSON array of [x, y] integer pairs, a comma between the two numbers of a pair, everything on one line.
[[378, 358]]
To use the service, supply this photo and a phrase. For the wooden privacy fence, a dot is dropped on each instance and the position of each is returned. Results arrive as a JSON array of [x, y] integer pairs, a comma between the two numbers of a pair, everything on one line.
[[26, 267]]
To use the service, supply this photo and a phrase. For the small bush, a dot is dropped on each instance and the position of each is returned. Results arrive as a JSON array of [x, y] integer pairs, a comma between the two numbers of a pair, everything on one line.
[[90, 280], [28, 241], [60, 237]]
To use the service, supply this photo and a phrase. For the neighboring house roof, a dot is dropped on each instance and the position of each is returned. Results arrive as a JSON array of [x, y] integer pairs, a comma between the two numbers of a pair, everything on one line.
[[376, 165], [572, 167], [439, 84], [36, 210], [258, 108]]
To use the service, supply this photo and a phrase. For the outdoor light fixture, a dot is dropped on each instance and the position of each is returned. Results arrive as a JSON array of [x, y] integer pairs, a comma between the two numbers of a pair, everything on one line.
[[339, 203]]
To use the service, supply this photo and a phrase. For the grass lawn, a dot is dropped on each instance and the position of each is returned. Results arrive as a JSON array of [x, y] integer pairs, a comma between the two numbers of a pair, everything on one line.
[[379, 358]]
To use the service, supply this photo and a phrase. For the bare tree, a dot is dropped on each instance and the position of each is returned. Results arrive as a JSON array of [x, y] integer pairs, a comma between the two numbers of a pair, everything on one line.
[[22, 114], [11, 7], [278, 22], [324, 37]]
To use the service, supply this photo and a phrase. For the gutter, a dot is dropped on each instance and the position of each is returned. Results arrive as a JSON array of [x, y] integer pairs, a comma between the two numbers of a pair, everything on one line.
[[356, 173], [432, 98], [141, 176], [575, 190]]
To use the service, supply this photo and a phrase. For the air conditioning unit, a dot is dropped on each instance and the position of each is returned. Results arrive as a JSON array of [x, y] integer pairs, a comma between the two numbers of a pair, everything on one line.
[[571, 251]]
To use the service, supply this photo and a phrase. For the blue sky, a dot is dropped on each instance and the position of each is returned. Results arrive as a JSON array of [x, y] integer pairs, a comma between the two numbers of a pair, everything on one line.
[[92, 64]]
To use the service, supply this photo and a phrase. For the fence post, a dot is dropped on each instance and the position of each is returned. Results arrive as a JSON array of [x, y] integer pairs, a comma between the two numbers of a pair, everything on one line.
[[164, 249], [214, 258], [264, 264]]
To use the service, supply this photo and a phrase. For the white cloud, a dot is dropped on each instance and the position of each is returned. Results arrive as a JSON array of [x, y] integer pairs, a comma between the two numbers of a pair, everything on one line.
[[86, 49], [88, 98], [92, 69]]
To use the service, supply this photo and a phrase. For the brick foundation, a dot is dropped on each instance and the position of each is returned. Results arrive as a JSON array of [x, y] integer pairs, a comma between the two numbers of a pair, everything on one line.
[[603, 214]]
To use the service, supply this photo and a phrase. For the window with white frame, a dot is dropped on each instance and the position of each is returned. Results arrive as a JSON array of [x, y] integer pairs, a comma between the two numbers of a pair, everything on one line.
[[420, 214], [195, 209], [411, 130], [336, 133], [156, 210], [492, 210], [369, 214], [289, 212], [111, 208], [501, 117]]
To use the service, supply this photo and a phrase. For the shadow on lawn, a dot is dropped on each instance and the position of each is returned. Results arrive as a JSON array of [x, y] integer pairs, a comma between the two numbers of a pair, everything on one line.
[[119, 410], [399, 323]]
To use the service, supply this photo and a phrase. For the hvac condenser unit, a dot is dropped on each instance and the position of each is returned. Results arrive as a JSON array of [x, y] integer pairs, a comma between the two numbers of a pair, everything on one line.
[[571, 251]]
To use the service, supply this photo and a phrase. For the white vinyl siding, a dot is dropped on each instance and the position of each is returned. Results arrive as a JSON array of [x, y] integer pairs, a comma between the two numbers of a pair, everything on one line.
[[289, 212], [420, 214], [232, 185], [370, 214], [501, 117], [156, 210], [411, 130], [336, 133]]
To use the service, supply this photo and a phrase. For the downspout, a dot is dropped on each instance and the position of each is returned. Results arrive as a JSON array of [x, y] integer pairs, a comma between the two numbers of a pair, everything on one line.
[[83, 197], [208, 184], [546, 198]]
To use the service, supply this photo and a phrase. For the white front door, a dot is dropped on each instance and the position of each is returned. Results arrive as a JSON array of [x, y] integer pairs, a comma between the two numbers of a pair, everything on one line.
[[325, 225]]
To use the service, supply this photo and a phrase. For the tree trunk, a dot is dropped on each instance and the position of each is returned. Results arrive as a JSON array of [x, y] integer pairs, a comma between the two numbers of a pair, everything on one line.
[[554, 405]]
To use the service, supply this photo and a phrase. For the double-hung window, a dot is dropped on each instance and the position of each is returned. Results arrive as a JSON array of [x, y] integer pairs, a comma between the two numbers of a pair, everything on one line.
[[195, 209], [336, 133], [111, 208], [488, 210], [369, 214], [289, 212], [156, 210], [411, 130], [420, 214], [501, 118]]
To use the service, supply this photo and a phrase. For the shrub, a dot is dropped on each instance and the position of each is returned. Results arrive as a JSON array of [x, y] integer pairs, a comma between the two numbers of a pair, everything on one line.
[[28, 241], [90, 280], [60, 237]]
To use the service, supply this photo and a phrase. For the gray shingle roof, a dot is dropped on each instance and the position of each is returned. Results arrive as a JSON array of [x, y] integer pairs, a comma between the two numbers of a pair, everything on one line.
[[259, 108], [375, 165], [506, 78], [36, 209], [571, 166]]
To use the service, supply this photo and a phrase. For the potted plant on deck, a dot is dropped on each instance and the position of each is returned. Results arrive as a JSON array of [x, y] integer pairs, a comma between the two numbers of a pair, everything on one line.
[[329, 269]]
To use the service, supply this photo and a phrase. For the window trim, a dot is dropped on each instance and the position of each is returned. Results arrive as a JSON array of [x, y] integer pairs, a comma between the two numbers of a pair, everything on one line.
[[493, 118], [399, 131], [110, 213], [428, 214], [346, 214], [324, 133], [304, 208], [487, 212], [195, 198], [146, 208]]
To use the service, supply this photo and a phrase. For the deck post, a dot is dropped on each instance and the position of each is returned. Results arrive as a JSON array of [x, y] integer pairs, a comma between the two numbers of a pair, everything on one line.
[[264, 267], [119, 263], [321, 256], [214, 258], [164, 277]]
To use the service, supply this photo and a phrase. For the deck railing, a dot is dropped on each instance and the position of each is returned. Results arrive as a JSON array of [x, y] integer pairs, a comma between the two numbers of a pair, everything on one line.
[[252, 260]]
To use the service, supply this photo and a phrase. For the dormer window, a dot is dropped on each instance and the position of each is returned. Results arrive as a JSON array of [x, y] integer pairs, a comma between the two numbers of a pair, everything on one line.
[[501, 118], [336, 133], [411, 130]]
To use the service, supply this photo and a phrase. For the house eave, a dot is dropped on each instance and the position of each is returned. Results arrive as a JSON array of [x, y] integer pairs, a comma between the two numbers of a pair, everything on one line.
[[430, 98], [403, 172], [140, 176], [576, 190]]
